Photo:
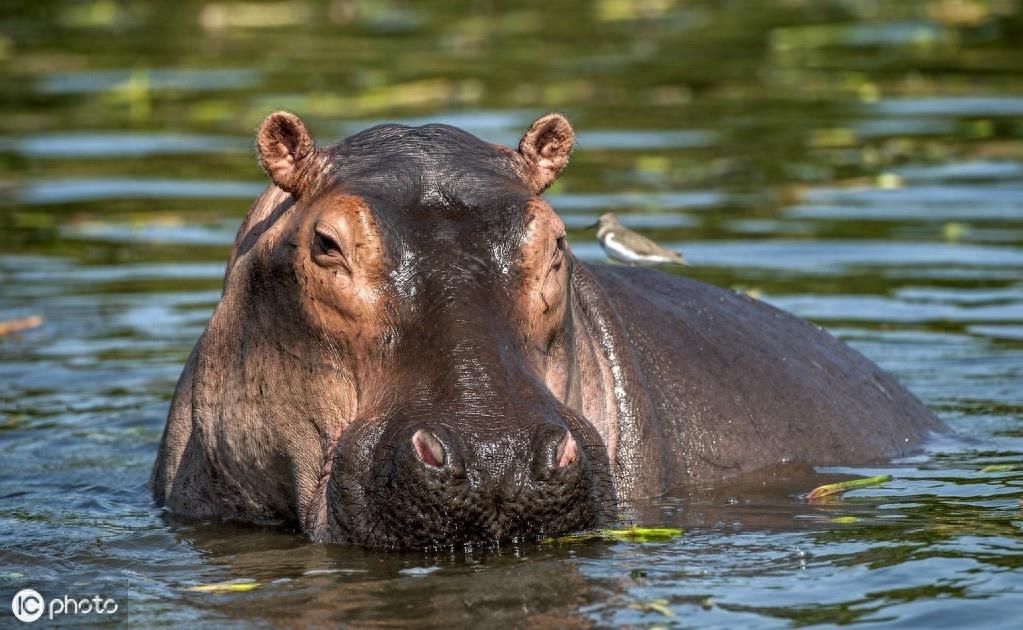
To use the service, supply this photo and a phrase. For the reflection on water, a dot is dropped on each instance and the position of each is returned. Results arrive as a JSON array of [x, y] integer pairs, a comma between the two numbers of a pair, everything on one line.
[[81, 190], [858, 163], [85, 145], [189, 80]]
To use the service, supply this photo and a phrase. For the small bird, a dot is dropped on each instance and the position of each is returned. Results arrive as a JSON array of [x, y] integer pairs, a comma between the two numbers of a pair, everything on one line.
[[622, 244]]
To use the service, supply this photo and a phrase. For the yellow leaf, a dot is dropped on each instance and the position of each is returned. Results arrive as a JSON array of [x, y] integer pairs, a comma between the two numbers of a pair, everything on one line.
[[999, 468], [889, 181], [654, 605], [225, 587], [953, 231], [632, 534], [843, 486], [845, 520]]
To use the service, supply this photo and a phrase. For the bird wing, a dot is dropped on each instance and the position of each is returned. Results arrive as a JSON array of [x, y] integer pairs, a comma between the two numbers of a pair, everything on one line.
[[644, 246]]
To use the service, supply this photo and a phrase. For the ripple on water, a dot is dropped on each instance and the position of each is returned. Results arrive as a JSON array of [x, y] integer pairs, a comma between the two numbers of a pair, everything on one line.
[[831, 256], [97, 189], [178, 79], [951, 106], [120, 145]]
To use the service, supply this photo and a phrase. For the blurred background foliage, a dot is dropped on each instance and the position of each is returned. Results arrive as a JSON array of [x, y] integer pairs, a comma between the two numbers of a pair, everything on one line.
[[109, 101]]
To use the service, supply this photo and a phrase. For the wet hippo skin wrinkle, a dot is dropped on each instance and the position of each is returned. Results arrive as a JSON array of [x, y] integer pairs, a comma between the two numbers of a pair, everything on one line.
[[407, 354]]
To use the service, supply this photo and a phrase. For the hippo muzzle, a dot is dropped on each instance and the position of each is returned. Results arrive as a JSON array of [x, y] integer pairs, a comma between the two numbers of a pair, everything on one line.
[[401, 483]]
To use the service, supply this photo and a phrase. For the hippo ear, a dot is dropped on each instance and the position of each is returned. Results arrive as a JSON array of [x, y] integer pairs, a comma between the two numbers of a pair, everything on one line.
[[546, 146], [286, 150]]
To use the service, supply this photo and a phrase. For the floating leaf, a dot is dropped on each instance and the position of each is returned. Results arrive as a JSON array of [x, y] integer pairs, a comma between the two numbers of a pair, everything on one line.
[[225, 587], [843, 486], [996, 468], [889, 181], [642, 534], [845, 520], [953, 231], [654, 605], [17, 325], [632, 534]]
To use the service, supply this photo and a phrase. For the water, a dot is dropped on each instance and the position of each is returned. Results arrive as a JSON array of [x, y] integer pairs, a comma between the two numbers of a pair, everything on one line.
[[858, 163]]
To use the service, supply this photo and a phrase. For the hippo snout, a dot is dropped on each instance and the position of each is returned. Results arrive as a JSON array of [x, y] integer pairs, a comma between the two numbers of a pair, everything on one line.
[[431, 486], [553, 449]]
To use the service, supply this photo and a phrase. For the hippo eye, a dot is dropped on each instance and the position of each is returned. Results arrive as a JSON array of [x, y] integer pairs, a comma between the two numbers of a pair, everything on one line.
[[559, 253], [326, 248]]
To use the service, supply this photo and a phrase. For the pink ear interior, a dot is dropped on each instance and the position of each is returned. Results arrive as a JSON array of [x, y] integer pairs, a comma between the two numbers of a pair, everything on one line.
[[284, 146], [546, 146]]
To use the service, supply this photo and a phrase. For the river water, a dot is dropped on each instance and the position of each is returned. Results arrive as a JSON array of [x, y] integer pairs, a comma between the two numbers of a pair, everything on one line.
[[859, 163]]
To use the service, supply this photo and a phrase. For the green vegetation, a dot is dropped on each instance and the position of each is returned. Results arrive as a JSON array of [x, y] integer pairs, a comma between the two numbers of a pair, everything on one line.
[[630, 534], [844, 486]]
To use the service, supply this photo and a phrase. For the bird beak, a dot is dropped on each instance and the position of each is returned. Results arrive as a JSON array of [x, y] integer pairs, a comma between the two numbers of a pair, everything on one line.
[[594, 226]]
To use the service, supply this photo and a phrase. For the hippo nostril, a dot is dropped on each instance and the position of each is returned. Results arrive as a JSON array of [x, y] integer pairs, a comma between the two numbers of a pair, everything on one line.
[[568, 450], [429, 448]]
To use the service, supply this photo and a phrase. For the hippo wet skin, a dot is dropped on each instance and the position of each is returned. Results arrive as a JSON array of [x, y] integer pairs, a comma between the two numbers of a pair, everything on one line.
[[406, 354]]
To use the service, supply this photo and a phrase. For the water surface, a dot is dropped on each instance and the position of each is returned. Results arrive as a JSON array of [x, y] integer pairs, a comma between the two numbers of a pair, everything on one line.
[[857, 163]]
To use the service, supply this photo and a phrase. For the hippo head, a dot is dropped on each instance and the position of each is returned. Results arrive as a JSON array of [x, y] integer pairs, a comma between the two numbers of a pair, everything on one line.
[[389, 364]]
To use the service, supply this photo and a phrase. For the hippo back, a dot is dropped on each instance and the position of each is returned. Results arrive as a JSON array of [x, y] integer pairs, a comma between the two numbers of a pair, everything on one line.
[[737, 384]]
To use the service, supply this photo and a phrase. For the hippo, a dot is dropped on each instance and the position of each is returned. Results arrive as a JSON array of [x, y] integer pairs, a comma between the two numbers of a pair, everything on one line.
[[406, 354]]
